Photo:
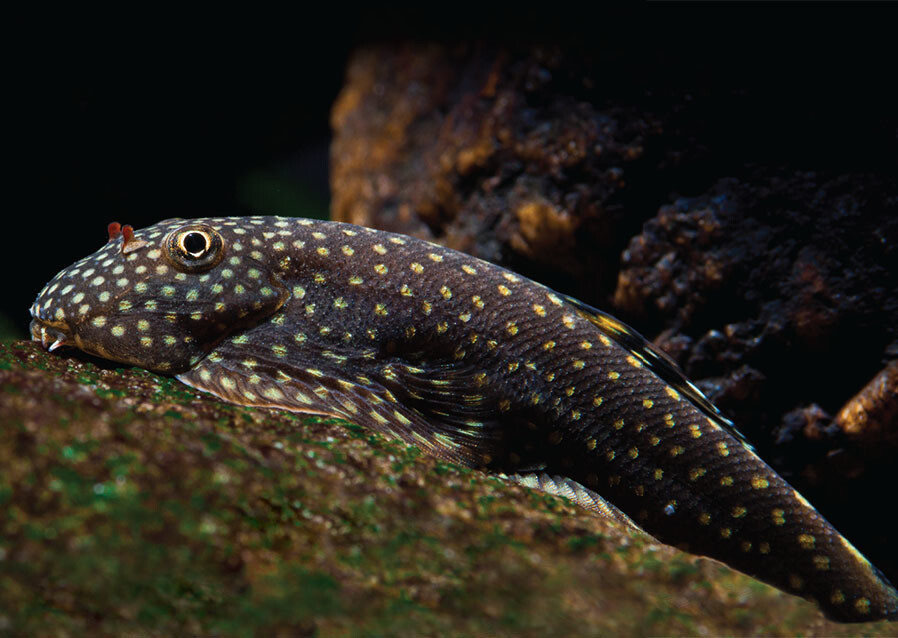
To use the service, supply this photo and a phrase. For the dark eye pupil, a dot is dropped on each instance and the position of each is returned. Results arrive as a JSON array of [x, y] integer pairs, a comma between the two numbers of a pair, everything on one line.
[[195, 244]]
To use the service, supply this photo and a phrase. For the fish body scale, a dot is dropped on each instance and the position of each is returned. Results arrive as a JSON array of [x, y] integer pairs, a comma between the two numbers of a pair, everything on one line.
[[467, 360]]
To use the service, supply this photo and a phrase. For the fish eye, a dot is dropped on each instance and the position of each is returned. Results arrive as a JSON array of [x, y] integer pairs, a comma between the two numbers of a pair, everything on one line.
[[194, 244], [194, 248]]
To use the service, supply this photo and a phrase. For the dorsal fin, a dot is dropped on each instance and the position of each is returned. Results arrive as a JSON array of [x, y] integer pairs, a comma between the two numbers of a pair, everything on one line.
[[656, 361]]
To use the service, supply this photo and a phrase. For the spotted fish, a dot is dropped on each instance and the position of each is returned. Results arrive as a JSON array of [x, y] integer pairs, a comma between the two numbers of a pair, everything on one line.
[[471, 362]]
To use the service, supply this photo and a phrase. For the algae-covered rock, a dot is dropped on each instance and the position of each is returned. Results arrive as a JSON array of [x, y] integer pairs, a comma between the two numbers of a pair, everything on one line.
[[131, 505]]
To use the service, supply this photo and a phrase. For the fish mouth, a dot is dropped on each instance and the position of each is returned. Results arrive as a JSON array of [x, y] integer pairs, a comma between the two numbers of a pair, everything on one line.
[[51, 335]]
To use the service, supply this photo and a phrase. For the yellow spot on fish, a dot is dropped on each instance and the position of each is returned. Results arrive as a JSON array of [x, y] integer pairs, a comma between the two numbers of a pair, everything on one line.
[[659, 474], [426, 307], [695, 431], [321, 250], [503, 290], [795, 581], [759, 482], [609, 455], [379, 249], [442, 327], [591, 444], [613, 375], [299, 292], [319, 278], [654, 440], [807, 541], [381, 269], [535, 398], [273, 393], [347, 250], [862, 605], [468, 269], [340, 303], [575, 415], [633, 452], [821, 563], [764, 548], [578, 364], [778, 516], [539, 310], [435, 257], [738, 512], [722, 448], [618, 424], [279, 350], [512, 328], [633, 361], [648, 404], [726, 481], [704, 518], [146, 342], [696, 473], [447, 294], [550, 376], [356, 281], [554, 299], [118, 331], [405, 291], [380, 309], [310, 309], [548, 345], [726, 532], [416, 267], [513, 366], [673, 394], [568, 321], [597, 401], [570, 390]]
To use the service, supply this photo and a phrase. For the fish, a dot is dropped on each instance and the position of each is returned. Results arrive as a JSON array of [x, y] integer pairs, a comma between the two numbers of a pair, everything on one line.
[[470, 362]]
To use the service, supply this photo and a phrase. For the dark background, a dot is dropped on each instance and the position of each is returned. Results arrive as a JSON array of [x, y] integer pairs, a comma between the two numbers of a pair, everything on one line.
[[139, 118]]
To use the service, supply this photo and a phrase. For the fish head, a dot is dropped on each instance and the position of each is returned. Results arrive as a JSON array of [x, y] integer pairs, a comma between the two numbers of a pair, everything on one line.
[[162, 297]]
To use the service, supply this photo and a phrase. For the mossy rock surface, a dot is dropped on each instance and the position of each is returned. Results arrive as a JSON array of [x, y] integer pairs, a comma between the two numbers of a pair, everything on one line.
[[132, 505]]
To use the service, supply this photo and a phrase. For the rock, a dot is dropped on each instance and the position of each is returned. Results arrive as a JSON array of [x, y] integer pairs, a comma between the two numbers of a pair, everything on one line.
[[133, 505]]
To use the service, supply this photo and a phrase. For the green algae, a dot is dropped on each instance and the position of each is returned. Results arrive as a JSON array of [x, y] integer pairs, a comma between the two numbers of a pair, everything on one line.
[[130, 504]]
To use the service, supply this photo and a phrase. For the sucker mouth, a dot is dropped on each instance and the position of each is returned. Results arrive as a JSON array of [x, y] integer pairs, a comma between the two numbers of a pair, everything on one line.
[[50, 337]]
